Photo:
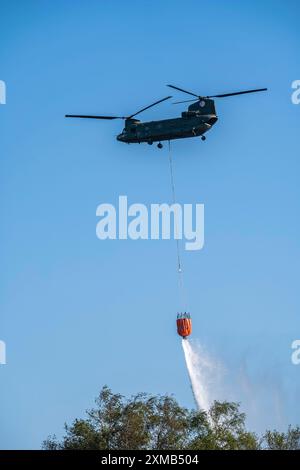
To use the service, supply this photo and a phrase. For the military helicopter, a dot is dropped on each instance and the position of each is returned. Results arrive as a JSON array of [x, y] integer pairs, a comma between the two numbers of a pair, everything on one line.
[[196, 121]]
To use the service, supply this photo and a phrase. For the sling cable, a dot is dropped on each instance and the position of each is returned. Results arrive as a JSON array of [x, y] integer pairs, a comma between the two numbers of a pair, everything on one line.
[[183, 322]]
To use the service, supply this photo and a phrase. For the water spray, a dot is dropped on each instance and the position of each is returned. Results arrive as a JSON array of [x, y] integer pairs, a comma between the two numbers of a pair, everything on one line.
[[196, 366]]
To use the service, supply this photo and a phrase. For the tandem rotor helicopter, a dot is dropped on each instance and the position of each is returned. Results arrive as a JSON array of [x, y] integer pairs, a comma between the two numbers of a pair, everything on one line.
[[196, 121]]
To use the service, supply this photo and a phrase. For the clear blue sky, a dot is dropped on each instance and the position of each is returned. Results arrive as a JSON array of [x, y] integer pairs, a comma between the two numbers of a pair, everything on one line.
[[78, 313]]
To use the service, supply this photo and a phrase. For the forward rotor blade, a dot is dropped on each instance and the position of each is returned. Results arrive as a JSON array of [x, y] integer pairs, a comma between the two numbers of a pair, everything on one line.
[[184, 91], [186, 101], [150, 106], [224, 95], [93, 117]]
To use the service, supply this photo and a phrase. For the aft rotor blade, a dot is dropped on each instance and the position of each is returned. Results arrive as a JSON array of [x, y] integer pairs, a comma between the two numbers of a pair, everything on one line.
[[224, 95], [150, 106], [93, 117], [184, 91]]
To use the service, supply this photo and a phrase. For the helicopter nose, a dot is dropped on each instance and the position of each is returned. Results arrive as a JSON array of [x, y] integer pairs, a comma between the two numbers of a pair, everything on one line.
[[212, 120]]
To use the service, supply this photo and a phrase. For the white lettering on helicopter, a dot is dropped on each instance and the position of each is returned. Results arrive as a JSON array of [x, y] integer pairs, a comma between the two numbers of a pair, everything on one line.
[[2, 92], [114, 224], [296, 94]]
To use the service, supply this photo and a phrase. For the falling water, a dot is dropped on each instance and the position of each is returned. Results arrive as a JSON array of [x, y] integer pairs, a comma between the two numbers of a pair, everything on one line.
[[200, 368]]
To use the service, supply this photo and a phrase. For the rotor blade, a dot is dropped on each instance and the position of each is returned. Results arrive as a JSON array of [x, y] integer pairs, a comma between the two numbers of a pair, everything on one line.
[[186, 101], [224, 95], [147, 107], [184, 91], [93, 117]]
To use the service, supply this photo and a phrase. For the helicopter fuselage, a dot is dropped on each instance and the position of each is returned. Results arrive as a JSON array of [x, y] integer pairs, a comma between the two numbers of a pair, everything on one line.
[[190, 124]]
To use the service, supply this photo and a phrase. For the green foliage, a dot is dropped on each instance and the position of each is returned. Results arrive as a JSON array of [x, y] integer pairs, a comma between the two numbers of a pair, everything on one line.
[[283, 441], [159, 423], [222, 428]]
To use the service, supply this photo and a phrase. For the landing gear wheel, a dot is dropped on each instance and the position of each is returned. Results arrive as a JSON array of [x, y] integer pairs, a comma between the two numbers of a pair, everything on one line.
[[203, 137], [150, 142], [160, 146]]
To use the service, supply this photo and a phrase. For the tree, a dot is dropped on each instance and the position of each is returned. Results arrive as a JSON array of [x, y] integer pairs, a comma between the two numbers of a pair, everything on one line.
[[142, 422], [222, 428], [275, 440], [159, 423]]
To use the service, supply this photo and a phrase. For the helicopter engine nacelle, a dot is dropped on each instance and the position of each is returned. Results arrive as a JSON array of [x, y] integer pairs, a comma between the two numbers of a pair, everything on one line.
[[189, 114]]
